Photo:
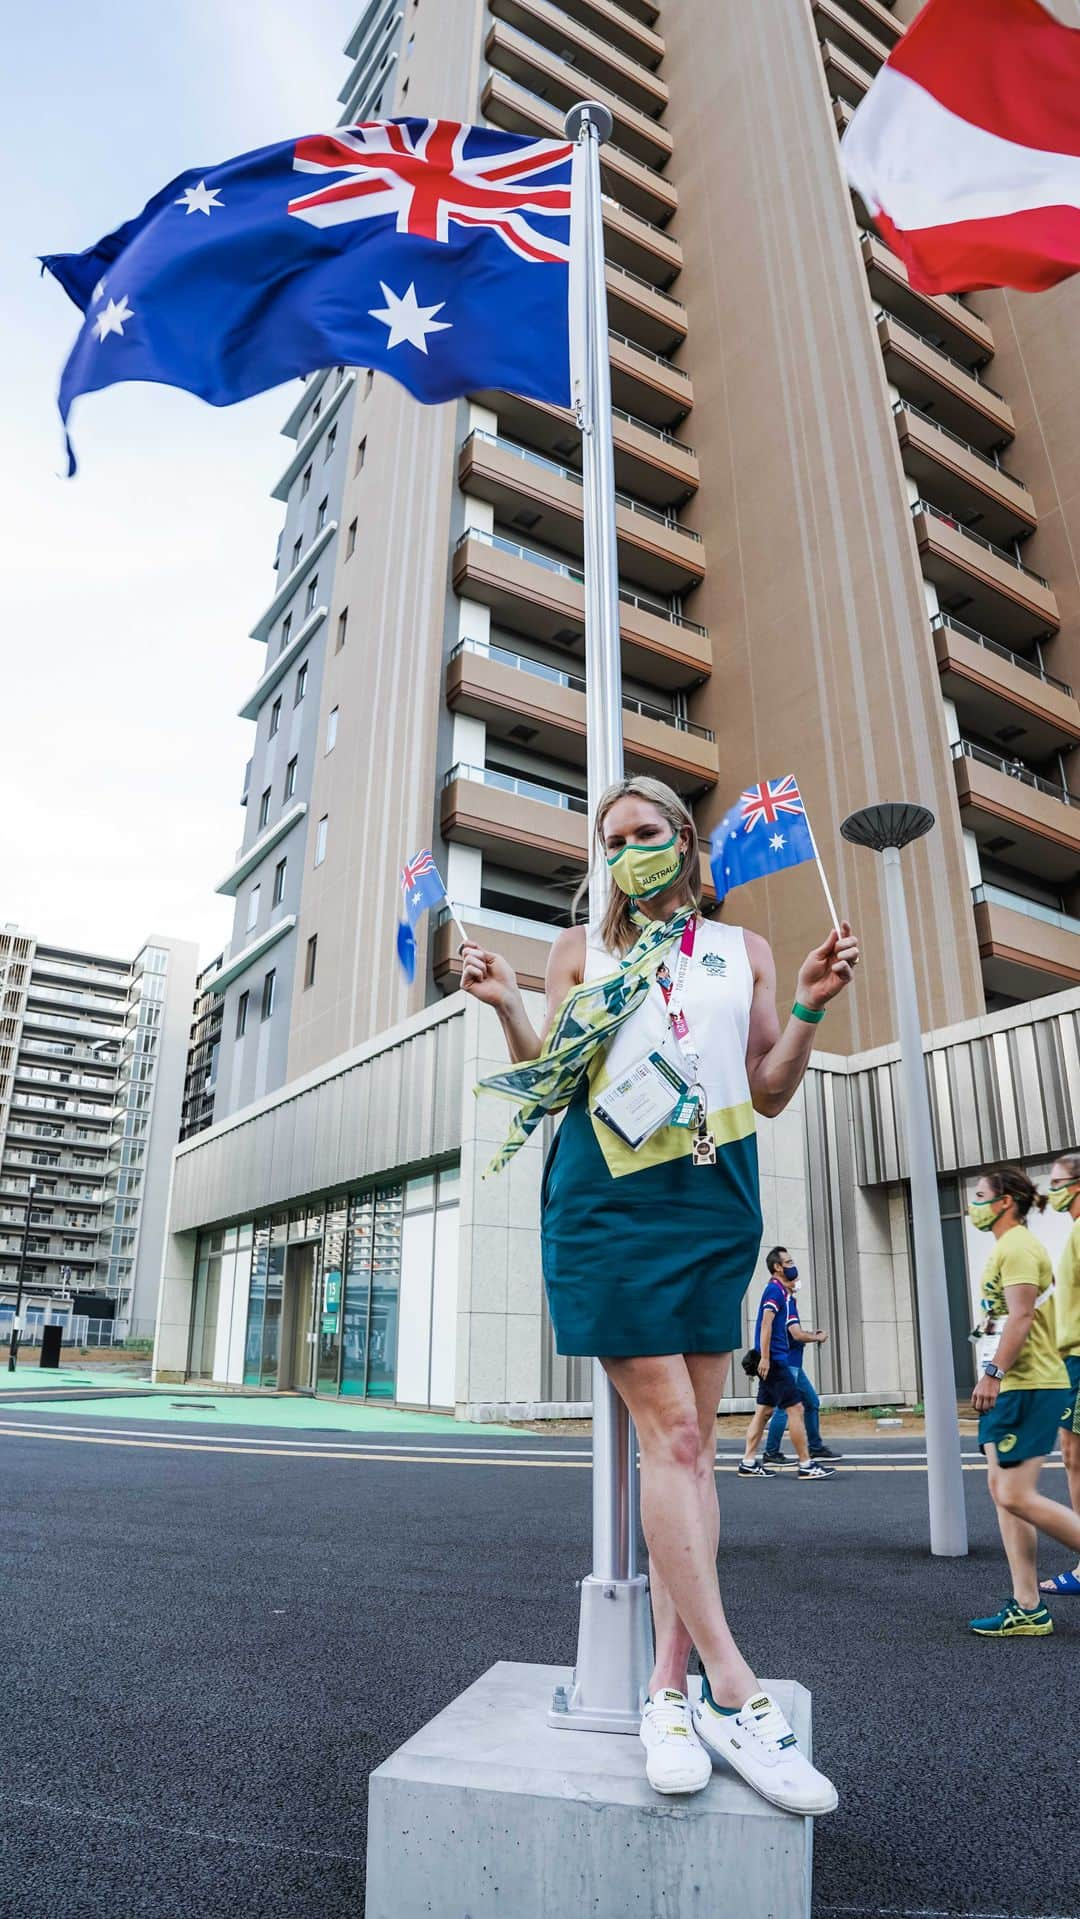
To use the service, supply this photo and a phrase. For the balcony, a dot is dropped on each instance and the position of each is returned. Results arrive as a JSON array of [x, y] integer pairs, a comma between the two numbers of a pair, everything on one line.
[[979, 581], [526, 943], [940, 385], [535, 595], [592, 54], [962, 480], [648, 385], [650, 317], [1018, 818], [939, 317], [875, 19], [847, 79], [839, 27], [1027, 949], [640, 246], [635, 185], [557, 80], [548, 501], [1001, 695], [623, 25], [652, 465], [533, 828], [543, 707]]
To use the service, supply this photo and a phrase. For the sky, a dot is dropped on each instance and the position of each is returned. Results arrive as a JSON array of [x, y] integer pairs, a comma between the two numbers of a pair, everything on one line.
[[129, 591]]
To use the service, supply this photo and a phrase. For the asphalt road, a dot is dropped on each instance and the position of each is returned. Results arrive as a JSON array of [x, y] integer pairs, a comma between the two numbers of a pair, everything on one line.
[[205, 1652]]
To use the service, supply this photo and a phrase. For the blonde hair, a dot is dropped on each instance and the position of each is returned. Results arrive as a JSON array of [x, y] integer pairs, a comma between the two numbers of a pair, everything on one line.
[[617, 929]]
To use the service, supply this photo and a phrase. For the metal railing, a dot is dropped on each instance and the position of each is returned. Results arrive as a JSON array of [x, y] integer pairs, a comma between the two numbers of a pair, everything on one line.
[[660, 358], [640, 280], [924, 339], [568, 473], [612, 200], [646, 426], [575, 574], [949, 300], [988, 459], [542, 109], [1004, 652], [566, 57], [1016, 770], [576, 683], [499, 922], [514, 783], [1002, 552], [1018, 903]]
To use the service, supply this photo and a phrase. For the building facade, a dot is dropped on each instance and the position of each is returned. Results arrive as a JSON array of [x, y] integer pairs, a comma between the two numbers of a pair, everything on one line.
[[830, 565], [92, 1058], [204, 1047]]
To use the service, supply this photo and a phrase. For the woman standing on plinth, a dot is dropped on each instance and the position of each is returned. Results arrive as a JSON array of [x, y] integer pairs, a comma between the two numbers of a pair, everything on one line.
[[651, 1224]]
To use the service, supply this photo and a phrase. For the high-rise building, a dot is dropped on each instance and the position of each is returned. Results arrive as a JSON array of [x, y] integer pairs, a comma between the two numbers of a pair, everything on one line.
[[829, 563], [200, 1080], [92, 1058]]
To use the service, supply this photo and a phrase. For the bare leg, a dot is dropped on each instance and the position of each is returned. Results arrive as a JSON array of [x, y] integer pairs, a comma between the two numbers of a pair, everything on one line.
[[674, 1643], [796, 1421], [1070, 1453], [1018, 1536], [659, 1395], [1015, 1488], [759, 1420]]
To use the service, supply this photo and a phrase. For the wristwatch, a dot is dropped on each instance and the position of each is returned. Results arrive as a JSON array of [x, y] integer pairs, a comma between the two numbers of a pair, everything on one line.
[[992, 1371]]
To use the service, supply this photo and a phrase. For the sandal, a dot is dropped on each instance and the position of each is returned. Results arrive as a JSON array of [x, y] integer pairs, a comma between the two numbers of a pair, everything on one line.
[[1061, 1583]]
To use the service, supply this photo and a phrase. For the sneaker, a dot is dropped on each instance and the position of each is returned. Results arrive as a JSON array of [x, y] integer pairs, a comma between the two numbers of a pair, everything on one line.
[[814, 1471], [824, 1452], [777, 1459], [756, 1471], [675, 1759], [1014, 1622], [761, 1747]]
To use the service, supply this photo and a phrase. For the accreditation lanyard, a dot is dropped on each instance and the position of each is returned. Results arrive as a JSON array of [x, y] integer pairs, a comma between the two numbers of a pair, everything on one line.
[[673, 993]]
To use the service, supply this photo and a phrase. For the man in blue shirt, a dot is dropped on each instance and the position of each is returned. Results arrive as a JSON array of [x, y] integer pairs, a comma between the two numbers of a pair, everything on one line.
[[779, 1373], [798, 1338]]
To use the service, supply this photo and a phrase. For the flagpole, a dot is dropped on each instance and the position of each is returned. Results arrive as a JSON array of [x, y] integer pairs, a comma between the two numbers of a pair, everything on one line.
[[614, 1651], [821, 873]]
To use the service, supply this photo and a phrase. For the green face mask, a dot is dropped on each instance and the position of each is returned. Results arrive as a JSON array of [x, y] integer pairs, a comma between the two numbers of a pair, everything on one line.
[[983, 1212], [1061, 1197], [640, 871]]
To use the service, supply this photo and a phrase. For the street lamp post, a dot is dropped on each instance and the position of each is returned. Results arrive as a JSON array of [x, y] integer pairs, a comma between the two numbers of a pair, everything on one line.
[[886, 829], [13, 1349]]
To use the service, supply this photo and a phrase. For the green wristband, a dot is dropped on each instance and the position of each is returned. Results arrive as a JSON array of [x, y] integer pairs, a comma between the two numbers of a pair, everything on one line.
[[799, 1011]]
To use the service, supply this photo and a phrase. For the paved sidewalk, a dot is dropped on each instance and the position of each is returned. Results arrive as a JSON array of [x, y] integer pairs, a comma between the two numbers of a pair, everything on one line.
[[81, 1393]]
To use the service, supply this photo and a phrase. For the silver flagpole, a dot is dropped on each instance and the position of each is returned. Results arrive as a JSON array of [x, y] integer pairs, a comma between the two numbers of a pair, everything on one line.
[[614, 1653]]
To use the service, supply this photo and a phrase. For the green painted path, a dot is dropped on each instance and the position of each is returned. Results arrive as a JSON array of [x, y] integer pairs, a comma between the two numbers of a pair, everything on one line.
[[187, 1405]]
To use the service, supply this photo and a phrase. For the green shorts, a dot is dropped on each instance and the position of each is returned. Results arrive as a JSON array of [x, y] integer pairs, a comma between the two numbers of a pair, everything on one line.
[[1024, 1424], [1070, 1418]]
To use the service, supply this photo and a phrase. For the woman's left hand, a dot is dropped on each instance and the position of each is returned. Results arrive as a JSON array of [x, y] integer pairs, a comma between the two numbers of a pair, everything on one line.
[[828, 969]]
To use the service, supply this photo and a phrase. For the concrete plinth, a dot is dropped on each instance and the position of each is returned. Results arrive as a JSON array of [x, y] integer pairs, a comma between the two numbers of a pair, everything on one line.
[[490, 1813]]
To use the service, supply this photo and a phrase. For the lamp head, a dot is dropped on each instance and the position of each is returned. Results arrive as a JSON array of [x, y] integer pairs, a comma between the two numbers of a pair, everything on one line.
[[890, 823]]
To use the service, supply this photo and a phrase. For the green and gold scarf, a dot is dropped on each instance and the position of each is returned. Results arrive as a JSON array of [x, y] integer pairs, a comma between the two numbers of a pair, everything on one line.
[[585, 1021]]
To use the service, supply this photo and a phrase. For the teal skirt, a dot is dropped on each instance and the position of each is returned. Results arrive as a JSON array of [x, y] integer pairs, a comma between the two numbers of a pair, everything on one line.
[[656, 1261]]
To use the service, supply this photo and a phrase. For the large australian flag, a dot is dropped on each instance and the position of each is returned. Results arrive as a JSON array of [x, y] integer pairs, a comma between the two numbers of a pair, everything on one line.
[[435, 252]]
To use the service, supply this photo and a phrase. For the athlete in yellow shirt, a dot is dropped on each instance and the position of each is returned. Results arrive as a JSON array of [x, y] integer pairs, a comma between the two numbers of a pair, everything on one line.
[[1065, 1198], [1020, 1396]]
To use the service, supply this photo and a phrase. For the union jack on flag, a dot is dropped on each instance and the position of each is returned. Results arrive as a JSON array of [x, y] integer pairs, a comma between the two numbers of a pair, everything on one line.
[[740, 852], [421, 885], [430, 250]]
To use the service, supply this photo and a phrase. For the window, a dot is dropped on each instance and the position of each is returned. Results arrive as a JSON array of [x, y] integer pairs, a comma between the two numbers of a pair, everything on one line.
[[241, 1015], [279, 882], [312, 595], [269, 983], [350, 542], [320, 517], [331, 442], [404, 88], [290, 778], [264, 805], [309, 961], [315, 411], [305, 482], [298, 547], [286, 629], [340, 376], [342, 628], [253, 907], [301, 685], [361, 455], [331, 729], [275, 716], [320, 839], [369, 377]]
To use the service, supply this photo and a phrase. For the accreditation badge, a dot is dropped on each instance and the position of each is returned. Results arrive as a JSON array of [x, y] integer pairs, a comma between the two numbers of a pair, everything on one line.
[[649, 1095]]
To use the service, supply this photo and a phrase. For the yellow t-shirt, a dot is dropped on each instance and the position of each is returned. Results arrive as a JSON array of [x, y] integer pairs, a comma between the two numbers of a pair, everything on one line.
[[1019, 1259], [1067, 1295]]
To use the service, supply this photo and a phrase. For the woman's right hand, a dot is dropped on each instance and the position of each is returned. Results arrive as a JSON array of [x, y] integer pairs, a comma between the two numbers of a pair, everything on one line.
[[488, 977]]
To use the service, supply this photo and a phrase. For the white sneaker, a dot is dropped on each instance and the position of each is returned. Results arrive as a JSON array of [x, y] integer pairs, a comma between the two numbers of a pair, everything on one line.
[[675, 1759], [760, 1745]]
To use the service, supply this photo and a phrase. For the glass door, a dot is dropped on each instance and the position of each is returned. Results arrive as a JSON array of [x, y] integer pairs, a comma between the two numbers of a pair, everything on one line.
[[331, 1304]]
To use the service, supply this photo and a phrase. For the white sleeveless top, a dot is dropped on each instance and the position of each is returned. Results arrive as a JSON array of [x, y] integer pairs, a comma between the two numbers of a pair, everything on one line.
[[716, 1001]]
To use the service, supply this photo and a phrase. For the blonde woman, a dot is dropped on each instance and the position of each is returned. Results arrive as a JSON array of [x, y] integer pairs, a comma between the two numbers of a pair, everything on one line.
[[649, 1242]]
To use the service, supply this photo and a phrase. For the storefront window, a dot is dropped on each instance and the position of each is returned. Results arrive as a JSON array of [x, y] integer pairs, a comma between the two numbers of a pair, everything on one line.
[[357, 1305], [271, 1340], [256, 1306]]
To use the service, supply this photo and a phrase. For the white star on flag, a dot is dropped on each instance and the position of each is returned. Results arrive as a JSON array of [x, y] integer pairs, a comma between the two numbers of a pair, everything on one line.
[[111, 318], [406, 319], [199, 199], [777, 843]]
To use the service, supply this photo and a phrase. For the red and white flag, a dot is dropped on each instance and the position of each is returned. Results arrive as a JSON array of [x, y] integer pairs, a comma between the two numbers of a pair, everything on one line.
[[966, 149]]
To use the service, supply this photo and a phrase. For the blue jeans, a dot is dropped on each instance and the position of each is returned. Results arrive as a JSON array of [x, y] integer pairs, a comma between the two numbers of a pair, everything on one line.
[[811, 1403]]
